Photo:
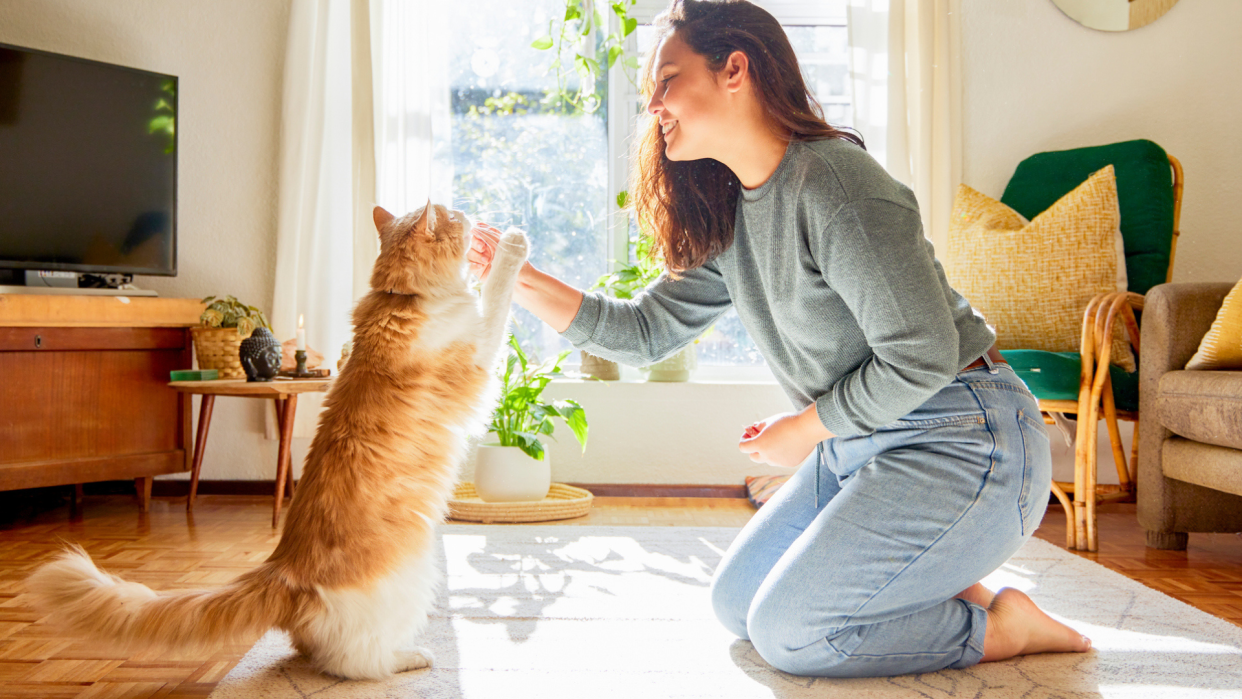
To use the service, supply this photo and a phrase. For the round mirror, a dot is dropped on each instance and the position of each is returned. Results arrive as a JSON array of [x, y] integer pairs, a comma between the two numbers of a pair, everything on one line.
[[1114, 15]]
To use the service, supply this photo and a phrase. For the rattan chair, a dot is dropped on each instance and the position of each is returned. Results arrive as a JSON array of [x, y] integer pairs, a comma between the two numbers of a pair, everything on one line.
[[1084, 384]]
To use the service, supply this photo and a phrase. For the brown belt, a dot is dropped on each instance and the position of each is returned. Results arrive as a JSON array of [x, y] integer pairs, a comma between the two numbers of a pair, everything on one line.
[[993, 354]]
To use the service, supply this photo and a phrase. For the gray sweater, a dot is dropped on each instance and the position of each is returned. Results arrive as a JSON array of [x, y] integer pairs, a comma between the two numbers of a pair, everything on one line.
[[833, 279]]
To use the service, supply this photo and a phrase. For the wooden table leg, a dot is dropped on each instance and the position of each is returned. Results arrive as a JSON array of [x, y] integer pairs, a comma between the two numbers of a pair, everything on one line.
[[283, 458], [280, 416], [143, 485], [200, 444]]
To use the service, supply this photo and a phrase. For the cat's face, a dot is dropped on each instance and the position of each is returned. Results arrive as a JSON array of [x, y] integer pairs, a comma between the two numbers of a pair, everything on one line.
[[421, 251]]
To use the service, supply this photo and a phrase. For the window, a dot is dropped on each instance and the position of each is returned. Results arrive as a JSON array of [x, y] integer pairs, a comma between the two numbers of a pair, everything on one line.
[[517, 160]]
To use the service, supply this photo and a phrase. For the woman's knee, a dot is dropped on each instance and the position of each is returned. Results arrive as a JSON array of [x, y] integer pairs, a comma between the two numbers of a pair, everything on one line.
[[782, 638], [730, 602]]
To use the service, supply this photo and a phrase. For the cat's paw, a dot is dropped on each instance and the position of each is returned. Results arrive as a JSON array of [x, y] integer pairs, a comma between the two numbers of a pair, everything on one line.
[[514, 245], [414, 659]]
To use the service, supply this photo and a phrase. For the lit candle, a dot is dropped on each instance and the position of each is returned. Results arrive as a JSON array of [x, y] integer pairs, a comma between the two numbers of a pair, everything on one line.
[[301, 334]]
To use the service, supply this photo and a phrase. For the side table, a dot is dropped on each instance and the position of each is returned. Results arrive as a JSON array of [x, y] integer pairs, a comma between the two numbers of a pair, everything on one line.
[[283, 391]]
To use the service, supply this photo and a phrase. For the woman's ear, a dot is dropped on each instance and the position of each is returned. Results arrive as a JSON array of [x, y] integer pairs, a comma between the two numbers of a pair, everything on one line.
[[736, 71]]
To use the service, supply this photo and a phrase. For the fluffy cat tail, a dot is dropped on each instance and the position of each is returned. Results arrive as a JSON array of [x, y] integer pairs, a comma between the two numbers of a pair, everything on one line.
[[106, 608]]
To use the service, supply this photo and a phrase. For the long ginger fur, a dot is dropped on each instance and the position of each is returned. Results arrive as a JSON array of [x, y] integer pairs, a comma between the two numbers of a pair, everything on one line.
[[352, 577]]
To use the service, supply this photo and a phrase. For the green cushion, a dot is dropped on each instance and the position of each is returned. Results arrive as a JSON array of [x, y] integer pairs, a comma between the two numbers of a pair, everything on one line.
[[1144, 194], [1054, 376]]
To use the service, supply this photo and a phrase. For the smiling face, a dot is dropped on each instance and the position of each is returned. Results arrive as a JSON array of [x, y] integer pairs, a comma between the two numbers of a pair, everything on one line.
[[690, 101]]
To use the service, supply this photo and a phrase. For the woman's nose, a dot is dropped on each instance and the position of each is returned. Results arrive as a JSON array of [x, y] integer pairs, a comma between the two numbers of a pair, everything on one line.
[[655, 105]]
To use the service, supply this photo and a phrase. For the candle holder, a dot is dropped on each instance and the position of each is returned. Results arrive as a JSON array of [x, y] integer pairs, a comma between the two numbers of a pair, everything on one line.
[[300, 371]]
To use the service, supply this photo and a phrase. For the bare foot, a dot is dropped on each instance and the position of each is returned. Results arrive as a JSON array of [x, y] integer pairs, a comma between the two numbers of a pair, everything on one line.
[[977, 594], [1017, 627]]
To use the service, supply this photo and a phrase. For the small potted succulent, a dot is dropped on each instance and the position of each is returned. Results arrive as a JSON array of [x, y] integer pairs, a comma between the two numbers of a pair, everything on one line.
[[226, 323], [515, 467]]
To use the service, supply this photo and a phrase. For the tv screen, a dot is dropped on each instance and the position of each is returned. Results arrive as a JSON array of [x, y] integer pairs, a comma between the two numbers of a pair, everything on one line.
[[88, 165]]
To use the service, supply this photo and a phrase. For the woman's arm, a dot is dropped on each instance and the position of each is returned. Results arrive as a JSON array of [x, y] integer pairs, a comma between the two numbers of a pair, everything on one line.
[[550, 299], [639, 331]]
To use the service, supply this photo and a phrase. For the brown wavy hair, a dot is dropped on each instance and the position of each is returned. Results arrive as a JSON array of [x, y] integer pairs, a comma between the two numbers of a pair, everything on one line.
[[689, 207]]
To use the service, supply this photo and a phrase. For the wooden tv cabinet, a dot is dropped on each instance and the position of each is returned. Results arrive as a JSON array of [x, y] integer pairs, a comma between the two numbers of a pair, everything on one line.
[[83, 389]]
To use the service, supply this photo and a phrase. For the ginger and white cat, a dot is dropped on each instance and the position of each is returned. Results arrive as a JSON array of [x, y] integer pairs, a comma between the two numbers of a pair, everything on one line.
[[353, 576]]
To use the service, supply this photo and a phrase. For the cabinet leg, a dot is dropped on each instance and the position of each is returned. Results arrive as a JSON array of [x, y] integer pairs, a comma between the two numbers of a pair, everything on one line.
[[143, 486], [75, 502], [200, 444]]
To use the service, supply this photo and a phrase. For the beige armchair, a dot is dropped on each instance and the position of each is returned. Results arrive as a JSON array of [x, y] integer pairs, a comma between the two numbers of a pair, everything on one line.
[[1190, 422]]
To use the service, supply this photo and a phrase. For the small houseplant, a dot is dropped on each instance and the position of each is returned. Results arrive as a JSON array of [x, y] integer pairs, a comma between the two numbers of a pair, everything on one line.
[[225, 323], [516, 468], [625, 283]]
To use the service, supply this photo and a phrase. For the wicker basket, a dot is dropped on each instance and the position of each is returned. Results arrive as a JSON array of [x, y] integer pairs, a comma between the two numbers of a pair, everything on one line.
[[217, 348], [563, 502]]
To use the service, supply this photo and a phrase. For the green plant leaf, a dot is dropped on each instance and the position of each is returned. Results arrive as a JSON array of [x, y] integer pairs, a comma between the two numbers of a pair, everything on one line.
[[575, 417], [613, 54], [159, 123], [530, 444], [623, 198], [630, 25], [572, 11], [543, 43]]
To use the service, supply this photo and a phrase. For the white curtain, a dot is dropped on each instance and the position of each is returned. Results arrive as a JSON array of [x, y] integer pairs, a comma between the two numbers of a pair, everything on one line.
[[366, 104], [324, 246], [410, 46], [906, 75]]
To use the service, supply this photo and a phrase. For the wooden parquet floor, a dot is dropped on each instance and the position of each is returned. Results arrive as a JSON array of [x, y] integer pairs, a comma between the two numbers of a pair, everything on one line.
[[227, 535]]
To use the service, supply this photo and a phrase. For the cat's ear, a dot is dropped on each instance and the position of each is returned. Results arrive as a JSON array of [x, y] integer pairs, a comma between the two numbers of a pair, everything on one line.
[[382, 217], [429, 212], [426, 222]]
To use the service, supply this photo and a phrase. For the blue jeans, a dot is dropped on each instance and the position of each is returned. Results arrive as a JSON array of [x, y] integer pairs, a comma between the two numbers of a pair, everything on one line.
[[851, 568]]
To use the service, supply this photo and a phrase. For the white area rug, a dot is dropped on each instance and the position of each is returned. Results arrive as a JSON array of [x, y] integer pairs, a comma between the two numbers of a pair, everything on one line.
[[551, 612]]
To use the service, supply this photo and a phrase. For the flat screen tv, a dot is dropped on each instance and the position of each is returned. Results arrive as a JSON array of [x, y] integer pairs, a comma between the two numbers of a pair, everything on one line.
[[88, 166]]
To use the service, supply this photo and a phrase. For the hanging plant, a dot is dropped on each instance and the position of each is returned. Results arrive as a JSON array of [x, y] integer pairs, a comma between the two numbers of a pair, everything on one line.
[[584, 28]]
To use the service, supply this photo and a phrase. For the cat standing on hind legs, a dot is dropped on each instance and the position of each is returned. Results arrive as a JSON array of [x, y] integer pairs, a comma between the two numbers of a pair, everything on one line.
[[353, 576]]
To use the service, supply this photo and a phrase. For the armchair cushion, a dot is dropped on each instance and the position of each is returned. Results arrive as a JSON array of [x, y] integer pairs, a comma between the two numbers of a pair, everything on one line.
[[1221, 347], [1054, 376], [1032, 281], [1203, 406], [1144, 194], [1203, 465]]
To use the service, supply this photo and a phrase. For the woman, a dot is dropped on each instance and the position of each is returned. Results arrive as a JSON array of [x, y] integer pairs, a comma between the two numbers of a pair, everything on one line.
[[926, 461]]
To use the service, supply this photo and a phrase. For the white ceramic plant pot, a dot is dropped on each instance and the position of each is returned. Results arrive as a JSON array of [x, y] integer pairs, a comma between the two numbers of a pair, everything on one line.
[[507, 474], [676, 367]]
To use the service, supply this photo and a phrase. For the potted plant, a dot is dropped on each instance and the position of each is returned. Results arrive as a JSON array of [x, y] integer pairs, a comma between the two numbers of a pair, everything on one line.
[[516, 467], [625, 283], [225, 323]]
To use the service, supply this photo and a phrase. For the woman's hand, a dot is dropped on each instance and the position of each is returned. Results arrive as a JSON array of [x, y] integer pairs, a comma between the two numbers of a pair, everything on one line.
[[484, 238], [550, 299], [785, 439]]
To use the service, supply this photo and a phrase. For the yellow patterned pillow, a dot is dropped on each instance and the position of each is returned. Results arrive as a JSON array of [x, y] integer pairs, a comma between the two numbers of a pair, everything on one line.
[[1221, 347], [1032, 280]]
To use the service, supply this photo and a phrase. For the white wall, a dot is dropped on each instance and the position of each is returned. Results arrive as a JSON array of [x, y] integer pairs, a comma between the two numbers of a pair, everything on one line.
[[662, 432], [1035, 80], [229, 56]]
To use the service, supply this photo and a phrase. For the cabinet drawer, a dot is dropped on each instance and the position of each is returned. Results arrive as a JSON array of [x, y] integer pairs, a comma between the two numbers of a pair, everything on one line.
[[86, 339]]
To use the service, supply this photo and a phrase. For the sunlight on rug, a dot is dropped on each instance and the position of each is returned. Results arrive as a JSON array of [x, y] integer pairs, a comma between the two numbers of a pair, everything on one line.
[[548, 612]]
